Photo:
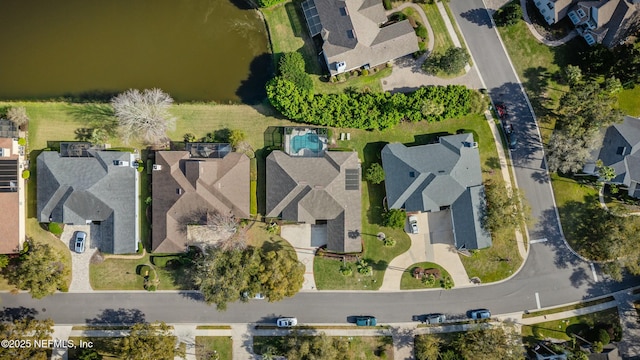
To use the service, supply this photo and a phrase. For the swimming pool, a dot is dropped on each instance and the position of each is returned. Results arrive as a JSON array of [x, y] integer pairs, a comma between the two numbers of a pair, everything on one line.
[[308, 141]]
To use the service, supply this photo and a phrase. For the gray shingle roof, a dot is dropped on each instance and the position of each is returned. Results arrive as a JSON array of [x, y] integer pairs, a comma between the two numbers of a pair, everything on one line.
[[429, 177], [206, 184], [619, 142], [352, 34], [306, 189], [73, 190]]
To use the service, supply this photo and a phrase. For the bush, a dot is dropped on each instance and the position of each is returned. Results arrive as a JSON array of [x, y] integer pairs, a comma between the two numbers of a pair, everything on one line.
[[366, 110], [236, 136], [292, 67], [346, 270], [55, 228], [429, 280], [26, 174], [397, 16], [600, 335], [365, 72], [446, 283], [189, 137], [386, 4], [22, 141], [375, 174], [395, 218], [452, 62], [389, 242], [508, 15], [421, 31]]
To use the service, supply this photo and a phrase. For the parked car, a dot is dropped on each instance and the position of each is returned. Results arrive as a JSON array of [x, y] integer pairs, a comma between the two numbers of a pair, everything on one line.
[[413, 224], [479, 314], [366, 321], [80, 239], [287, 322], [502, 110], [435, 318], [513, 140]]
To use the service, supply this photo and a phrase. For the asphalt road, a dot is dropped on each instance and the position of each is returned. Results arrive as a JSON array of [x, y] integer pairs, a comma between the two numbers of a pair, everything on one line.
[[551, 272]]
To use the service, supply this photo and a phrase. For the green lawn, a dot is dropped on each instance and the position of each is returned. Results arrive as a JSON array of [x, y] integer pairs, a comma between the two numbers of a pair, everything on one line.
[[207, 346], [442, 41], [122, 274], [537, 66], [105, 346], [561, 329], [572, 197], [408, 282], [360, 347], [629, 101], [568, 307]]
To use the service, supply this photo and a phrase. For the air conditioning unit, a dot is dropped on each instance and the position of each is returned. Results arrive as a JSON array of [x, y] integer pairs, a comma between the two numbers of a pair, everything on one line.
[[120, 163], [157, 167]]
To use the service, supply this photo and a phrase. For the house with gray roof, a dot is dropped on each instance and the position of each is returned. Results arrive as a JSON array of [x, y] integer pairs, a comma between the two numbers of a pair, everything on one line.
[[321, 191], [81, 185], [606, 22], [620, 150], [186, 189], [444, 176], [353, 34]]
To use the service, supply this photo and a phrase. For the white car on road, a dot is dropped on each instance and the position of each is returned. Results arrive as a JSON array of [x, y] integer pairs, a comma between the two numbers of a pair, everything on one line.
[[287, 322]]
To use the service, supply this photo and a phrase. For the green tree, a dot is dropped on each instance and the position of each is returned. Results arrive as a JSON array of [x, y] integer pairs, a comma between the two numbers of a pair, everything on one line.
[[573, 75], [508, 15], [189, 137], [451, 62], [236, 136], [280, 275], [500, 342], [427, 347], [567, 153], [222, 276], [292, 67], [40, 270], [505, 210], [606, 172], [375, 174], [89, 354], [25, 329], [152, 341], [303, 347], [99, 136], [394, 218]]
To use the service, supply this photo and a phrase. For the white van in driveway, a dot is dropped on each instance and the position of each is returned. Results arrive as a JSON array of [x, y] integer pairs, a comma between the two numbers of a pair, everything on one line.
[[413, 224]]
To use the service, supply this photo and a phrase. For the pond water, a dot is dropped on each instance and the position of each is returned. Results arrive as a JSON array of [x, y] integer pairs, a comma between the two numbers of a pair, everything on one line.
[[196, 50]]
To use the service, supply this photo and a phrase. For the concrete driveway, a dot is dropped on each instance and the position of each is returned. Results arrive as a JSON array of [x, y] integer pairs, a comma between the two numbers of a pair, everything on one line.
[[79, 262], [433, 243], [305, 239]]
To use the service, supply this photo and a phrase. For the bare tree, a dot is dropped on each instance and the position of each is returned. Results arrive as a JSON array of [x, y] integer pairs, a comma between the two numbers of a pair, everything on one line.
[[144, 114], [567, 153], [18, 115], [227, 222]]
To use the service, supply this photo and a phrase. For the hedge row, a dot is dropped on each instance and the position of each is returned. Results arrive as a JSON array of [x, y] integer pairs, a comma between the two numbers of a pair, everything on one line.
[[368, 110]]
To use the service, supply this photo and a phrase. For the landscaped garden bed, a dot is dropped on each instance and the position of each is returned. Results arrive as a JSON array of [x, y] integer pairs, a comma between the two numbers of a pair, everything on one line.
[[424, 275]]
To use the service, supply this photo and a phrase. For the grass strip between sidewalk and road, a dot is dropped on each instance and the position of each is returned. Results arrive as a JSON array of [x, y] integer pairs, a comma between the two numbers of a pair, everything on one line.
[[568, 307]]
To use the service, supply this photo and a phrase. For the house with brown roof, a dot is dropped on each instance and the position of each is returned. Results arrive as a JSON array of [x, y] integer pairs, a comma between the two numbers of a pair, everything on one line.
[[12, 232], [356, 33], [606, 22], [189, 185], [322, 190]]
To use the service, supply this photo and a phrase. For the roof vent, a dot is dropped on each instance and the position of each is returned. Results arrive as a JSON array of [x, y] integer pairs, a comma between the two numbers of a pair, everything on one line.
[[471, 144], [179, 191], [157, 167]]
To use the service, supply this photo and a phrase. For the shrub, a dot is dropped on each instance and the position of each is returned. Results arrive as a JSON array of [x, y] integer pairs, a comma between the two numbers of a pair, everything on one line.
[[365, 110], [189, 137], [267, 3], [395, 218], [508, 15], [600, 335], [346, 270], [365, 72], [22, 141], [26, 174], [421, 31], [291, 67], [429, 280], [236, 136], [55, 228], [375, 174], [446, 283], [386, 4], [389, 242], [397, 16]]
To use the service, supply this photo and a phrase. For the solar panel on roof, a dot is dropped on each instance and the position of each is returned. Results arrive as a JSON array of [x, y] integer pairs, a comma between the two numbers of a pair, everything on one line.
[[311, 15], [352, 179]]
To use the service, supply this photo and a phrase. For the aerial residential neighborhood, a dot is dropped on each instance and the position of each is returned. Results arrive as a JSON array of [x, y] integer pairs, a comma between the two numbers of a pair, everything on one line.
[[320, 179]]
